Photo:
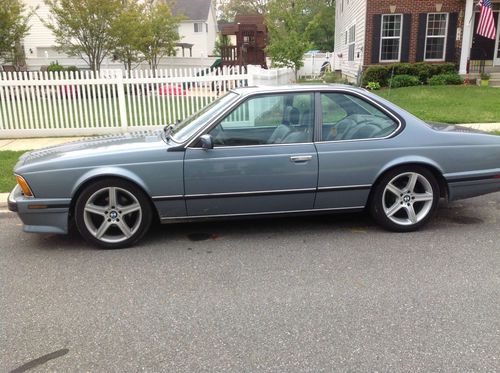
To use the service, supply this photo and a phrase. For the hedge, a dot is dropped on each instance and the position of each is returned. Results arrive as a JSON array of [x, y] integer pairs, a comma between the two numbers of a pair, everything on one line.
[[404, 80], [382, 74], [446, 79]]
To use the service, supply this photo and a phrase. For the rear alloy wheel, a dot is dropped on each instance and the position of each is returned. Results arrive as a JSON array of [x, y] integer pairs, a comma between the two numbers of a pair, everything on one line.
[[405, 199], [112, 213]]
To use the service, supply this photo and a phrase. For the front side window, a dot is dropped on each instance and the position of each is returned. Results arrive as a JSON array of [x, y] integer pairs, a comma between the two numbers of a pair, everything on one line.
[[189, 126], [347, 117], [269, 119], [390, 43], [435, 40]]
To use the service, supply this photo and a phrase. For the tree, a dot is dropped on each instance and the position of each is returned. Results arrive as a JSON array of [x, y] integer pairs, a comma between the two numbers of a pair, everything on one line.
[[228, 9], [289, 39], [13, 27], [126, 33], [319, 23], [222, 41], [159, 32], [82, 28]]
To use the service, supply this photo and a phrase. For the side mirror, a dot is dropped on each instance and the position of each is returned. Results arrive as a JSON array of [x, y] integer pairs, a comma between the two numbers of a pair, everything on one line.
[[207, 142]]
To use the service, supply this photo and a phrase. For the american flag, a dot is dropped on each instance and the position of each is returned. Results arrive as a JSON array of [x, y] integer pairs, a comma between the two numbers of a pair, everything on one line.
[[486, 26]]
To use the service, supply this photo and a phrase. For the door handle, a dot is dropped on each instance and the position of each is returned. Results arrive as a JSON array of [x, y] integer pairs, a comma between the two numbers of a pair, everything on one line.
[[300, 158]]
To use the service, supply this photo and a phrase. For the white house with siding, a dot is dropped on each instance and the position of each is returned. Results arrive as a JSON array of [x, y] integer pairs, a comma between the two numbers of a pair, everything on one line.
[[198, 32], [350, 20], [199, 28]]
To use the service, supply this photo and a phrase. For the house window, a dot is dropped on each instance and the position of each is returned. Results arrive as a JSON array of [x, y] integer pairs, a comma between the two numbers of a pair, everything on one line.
[[390, 41], [352, 42], [198, 27], [435, 37]]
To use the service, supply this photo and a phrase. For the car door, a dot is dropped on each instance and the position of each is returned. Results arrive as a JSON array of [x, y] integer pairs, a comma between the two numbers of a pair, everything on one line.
[[355, 142], [263, 159]]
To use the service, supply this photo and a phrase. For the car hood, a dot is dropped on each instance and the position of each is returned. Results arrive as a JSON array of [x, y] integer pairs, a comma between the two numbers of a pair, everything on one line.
[[95, 147]]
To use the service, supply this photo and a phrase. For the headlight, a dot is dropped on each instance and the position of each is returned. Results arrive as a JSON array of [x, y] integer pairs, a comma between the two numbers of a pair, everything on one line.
[[24, 186]]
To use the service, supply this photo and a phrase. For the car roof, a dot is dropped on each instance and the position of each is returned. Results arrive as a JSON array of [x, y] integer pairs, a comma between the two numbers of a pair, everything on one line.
[[290, 88]]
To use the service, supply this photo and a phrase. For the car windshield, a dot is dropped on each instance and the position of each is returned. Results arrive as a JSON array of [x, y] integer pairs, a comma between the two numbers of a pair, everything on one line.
[[185, 129]]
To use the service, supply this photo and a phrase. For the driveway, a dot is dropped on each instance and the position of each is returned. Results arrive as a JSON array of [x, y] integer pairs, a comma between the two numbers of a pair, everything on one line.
[[309, 294]]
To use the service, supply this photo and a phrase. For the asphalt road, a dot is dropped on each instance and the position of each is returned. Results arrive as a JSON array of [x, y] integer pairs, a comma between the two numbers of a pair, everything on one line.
[[311, 294]]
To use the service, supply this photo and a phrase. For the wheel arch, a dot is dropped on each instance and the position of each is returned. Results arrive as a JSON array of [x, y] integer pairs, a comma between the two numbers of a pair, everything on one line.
[[109, 172], [420, 162]]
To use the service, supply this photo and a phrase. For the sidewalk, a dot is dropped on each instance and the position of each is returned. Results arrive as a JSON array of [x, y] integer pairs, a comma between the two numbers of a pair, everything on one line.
[[33, 143], [38, 143]]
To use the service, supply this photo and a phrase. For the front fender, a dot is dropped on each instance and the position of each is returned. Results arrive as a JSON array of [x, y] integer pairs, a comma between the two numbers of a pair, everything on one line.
[[108, 171]]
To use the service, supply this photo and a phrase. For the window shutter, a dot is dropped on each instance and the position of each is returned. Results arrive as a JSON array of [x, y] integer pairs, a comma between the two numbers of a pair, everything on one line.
[[422, 29], [452, 37], [377, 25], [405, 40]]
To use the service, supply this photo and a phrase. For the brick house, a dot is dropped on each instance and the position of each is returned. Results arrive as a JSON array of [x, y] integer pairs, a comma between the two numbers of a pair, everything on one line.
[[391, 31]]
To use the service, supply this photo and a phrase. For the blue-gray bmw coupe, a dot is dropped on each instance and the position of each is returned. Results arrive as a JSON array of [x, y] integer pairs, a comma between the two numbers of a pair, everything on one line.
[[256, 152]]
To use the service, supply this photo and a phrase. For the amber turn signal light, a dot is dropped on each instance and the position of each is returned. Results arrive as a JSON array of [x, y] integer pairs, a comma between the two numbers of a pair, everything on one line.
[[24, 186]]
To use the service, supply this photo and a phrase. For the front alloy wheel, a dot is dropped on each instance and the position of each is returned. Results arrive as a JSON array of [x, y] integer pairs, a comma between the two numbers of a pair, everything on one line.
[[112, 213], [405, 198]]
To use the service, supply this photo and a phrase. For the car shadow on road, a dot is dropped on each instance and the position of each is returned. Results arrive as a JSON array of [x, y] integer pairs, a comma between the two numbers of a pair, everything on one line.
[[252, 227], [454, 214]]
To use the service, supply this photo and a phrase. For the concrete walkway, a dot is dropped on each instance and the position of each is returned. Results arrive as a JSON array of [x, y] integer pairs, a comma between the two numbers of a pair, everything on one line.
[[33, 143]]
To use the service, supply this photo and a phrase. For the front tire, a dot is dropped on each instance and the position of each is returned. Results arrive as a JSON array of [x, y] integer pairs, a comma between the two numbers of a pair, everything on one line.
[[113, 213], [405, 198]]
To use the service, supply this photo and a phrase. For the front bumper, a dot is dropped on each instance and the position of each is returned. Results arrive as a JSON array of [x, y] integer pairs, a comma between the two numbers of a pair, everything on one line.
[[11, 201], [40, 215]]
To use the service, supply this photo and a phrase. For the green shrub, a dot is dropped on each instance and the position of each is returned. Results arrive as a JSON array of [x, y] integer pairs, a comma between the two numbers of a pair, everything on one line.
[[330, 77], [54, 66], [403, 69], [445, 79], [444, 68], [399, 81], [378, 74], [72, 68], [423, 71], [373, 86]]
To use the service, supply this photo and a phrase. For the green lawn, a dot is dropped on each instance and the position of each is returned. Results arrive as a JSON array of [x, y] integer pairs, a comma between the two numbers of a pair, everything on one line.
[[8, 159], [448, 104]]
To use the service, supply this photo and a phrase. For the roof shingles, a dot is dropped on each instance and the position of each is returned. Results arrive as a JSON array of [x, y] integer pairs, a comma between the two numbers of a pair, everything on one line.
[[195, 10]]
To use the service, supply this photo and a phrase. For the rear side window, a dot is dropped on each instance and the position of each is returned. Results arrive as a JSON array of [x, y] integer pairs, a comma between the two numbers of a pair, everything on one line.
[[347, 117]]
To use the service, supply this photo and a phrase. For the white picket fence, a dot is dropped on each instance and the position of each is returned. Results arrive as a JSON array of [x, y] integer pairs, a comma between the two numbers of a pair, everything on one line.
[[41, 104]]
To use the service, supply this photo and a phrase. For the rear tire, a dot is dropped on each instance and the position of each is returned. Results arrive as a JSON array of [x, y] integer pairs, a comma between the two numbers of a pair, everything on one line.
[[405, 198], [113, 213]]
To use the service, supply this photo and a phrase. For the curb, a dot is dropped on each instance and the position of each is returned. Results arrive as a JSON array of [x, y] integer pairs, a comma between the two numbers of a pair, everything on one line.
[[3, 200]]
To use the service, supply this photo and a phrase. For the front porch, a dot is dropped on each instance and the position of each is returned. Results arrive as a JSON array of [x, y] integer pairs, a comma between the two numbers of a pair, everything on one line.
[[480, 55]]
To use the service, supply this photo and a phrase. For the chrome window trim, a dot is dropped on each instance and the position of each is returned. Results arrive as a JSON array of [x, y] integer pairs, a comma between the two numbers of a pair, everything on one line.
[[244, 98], [255, 146], [320, 90]]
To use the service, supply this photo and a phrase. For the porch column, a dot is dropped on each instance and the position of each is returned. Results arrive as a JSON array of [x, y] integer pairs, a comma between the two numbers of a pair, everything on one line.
[[467, 36]]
